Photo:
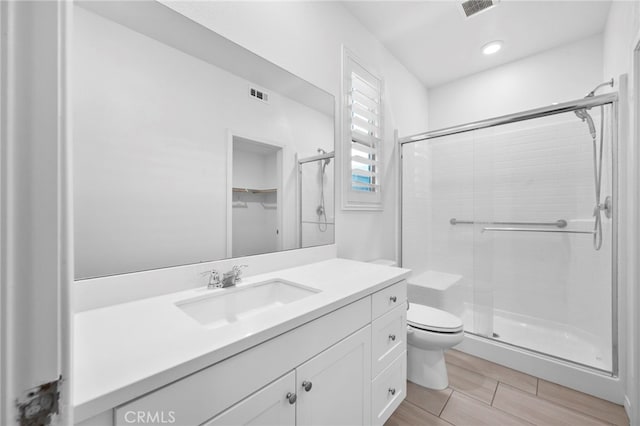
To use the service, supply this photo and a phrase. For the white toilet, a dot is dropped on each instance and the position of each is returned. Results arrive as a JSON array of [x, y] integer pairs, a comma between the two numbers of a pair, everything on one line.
[[430, 332]]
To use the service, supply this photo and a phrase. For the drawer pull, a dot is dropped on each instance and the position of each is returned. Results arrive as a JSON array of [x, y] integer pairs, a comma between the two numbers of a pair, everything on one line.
[[394, 299], [392, 337], [292, 398], [392, 391], [307, 385]]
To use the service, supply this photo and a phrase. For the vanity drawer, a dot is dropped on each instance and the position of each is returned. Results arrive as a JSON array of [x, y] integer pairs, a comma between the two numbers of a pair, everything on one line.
[[388, 298], [388, 390], [388, 338]]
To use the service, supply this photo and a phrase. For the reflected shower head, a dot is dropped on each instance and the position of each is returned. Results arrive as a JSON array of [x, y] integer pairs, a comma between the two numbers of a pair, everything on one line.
[[326, 160]]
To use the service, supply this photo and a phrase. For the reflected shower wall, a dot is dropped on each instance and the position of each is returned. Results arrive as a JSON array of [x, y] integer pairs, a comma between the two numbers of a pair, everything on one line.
[[316, 194], [523, 276]]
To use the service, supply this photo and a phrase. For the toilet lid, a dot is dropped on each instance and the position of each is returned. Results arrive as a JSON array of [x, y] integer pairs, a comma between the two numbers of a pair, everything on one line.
[[432, 319]]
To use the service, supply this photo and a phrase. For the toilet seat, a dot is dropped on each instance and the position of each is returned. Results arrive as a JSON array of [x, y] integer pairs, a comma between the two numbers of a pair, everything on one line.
[[433, 320]]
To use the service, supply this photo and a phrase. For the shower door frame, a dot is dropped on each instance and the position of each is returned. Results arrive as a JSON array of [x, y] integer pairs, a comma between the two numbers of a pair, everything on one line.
[[588, 102]]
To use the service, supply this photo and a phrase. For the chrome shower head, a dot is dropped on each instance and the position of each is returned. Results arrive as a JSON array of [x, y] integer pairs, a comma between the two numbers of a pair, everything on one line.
[[585, 116]]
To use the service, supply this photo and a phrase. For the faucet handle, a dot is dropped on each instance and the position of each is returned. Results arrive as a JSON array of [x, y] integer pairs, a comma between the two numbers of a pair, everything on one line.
[[237, 270]]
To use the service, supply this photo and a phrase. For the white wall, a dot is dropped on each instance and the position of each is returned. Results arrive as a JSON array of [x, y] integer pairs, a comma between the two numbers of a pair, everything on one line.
[[150, 140], [558, 75], [254, 170], [306, 38], [621, 35]]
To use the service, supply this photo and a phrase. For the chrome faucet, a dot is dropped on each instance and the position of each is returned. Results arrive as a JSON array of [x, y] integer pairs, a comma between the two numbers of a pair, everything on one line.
[[214, 279], [229, 279]]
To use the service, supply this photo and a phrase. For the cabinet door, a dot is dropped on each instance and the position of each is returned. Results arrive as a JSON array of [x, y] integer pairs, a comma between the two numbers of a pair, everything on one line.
[[334, 387], [268, 406]]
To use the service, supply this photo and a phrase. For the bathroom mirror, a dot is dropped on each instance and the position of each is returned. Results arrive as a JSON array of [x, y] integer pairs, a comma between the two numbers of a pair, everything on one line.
[[189, 148]]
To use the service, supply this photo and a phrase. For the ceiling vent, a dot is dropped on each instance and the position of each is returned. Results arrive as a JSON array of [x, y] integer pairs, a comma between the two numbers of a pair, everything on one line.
[[258, 94], [473, 7]]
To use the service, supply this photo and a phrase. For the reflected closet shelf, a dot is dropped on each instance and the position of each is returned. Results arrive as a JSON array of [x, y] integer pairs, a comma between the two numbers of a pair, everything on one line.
[[255, 191]]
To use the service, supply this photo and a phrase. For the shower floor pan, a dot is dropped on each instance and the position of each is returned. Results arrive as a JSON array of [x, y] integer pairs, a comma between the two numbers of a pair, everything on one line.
[[546, 337]]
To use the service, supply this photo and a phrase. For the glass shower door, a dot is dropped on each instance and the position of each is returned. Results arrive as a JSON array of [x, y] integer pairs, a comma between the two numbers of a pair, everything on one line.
[[540, 283], [497, 226]]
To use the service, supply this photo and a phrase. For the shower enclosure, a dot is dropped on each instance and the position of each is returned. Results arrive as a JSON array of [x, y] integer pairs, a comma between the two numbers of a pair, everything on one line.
[[518, 214], [316, 201]]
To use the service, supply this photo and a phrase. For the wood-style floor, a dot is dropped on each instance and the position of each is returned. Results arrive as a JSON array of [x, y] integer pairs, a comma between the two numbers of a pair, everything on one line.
[[483, 393]]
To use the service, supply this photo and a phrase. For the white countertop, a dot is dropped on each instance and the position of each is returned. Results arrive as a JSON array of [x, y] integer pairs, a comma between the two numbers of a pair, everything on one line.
[[124, 351]]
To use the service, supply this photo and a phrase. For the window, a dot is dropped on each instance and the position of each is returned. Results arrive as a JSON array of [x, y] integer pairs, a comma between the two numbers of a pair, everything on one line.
[[362, 136]]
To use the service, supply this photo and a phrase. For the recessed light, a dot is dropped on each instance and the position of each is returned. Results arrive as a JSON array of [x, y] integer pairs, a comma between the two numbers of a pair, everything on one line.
[[492, 47]]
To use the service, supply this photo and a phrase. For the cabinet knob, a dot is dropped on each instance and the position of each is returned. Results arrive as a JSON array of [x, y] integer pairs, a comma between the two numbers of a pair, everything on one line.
[[392, 337], [394, 299], [307, 385], [392, 391], [292, 398]]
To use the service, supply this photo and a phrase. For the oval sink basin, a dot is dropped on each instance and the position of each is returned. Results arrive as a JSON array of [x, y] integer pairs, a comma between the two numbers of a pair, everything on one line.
[[228, 305]]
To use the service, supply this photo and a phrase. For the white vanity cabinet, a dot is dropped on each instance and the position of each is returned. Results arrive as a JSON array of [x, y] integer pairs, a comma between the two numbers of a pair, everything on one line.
[[331, 388], [345, 367]]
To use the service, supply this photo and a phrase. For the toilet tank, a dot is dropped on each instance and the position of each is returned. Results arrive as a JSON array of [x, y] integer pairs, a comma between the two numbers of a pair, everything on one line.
[[385, 262], [437, 289]]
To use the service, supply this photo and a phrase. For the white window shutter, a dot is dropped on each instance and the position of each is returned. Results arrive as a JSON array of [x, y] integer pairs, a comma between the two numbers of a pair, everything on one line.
[[362, 136]]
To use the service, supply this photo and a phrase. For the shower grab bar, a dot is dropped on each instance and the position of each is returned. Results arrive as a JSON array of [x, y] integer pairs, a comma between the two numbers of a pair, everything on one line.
[[563, 231], [560, 223]]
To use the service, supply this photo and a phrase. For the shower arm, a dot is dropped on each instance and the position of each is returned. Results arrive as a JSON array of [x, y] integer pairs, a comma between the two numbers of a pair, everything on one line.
[[606, 83]]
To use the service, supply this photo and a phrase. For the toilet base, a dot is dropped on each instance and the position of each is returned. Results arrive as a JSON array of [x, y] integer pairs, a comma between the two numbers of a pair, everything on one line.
[[426, 367]]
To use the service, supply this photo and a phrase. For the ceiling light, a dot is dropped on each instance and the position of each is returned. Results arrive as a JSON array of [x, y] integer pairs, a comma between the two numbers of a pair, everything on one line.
[[492, 47]]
